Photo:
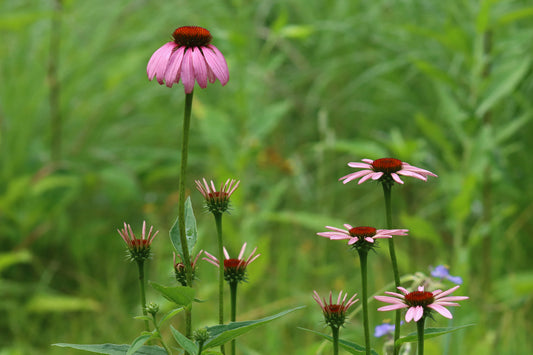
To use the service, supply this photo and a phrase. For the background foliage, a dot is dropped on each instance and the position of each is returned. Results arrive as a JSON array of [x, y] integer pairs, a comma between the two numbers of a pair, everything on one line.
[[443, 85]]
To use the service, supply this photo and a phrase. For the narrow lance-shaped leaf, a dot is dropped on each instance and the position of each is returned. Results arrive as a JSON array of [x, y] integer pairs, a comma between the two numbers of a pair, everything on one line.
[[114, 349], [191, 232], [221, 334], [429, 333]]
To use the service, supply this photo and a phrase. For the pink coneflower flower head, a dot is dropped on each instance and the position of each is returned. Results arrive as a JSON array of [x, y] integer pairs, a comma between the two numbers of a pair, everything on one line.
[[335, 313], [179, 269], [217, 202], [420, 303], [190, 57], [138, 248], [234, 269], [361, 238], [386, 170]]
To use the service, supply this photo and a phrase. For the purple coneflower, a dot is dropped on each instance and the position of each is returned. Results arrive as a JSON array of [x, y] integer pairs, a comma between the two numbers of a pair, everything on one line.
[[420, 303], [217, 201], [384, 169], [234, 269], [190, 57], [139, 248], [360, 236], [335, 313]]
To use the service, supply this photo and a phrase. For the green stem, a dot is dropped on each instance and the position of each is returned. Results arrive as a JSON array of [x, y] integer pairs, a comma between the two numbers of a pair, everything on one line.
[[335, 336], [387, 187], [218, 222], [420, 332], [363, 256], [233, 295], [140, 265], [167, 349], [181, 206], [53, 81]]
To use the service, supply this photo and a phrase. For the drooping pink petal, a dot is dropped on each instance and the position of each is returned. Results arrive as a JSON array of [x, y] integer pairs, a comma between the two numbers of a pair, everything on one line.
[[173, 69], [339, 229], [200, 67], [376, 176], [395, 294], [393, 307], [389, 299], [451, 298], [419, 312], [409, 315], [187, 71], [412, 174], [359, 165], [347, 178], [442, 310], [365, 178], [216, 61], [396, 178], [158, 62]]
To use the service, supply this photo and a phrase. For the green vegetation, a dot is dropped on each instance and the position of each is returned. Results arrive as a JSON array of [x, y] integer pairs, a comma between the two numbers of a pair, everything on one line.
[[88, 143]]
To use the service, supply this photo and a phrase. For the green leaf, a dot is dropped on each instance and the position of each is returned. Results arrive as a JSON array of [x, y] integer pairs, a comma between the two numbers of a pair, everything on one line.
[[13, 258], [137, 343], [169, 315], [46, 303], [114, 349], [187, 344], [503, 84], [429, 333], [191, 232], [148, 318], [180, 295], [420, 228], [221, 334], [349, 346]]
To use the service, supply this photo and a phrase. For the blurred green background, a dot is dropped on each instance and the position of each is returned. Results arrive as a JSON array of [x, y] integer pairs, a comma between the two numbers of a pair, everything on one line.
[[87, 142]]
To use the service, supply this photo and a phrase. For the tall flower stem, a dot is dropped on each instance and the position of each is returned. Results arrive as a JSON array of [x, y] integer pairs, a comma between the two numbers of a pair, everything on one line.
[[363, 256], [387, 187], [140, 265], [233, 298], [181, 206], [53, 81], [218, 222], [420, 332], [335, 336]]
